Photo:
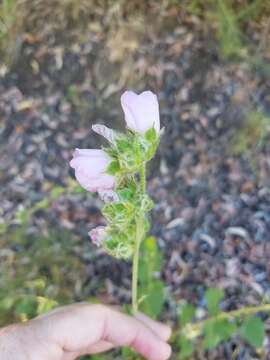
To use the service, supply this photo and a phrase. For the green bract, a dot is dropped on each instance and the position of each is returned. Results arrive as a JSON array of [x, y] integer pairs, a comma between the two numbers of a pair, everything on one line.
[[129, 153], [131, 150]]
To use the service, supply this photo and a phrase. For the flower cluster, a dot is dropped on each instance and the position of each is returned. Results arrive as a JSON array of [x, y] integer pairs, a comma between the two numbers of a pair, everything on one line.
[[117, 174]]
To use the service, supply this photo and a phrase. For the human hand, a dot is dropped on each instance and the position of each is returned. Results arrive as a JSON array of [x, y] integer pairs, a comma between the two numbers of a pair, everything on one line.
[[71, 331]]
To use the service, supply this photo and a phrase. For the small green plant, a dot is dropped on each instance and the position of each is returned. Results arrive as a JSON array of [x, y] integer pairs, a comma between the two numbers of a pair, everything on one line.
[[218, 326], [118, 174]]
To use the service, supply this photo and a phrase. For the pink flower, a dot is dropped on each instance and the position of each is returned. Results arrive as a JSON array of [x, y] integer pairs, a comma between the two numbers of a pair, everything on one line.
[[97, 235], [141, 111], [90, 166]]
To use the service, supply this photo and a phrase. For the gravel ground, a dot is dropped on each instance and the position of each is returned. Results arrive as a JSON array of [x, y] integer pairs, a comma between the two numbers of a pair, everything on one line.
[[212, 214]]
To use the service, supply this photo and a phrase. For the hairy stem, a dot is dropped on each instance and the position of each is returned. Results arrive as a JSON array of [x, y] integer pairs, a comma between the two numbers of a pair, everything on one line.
[[142, 178], [135, 268], [197, 327], [138, 240]]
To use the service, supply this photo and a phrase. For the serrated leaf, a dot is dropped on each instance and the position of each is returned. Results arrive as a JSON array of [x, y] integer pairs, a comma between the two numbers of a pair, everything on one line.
[[213, 297], [126, 194], [186, 313], [146, 203], [113, 168], [186, 348], [123, 145], [150, 285], [225, 329], [112, 152], [118, 214], [252, 330], [151, 135], [217, 331], [211, 337], [150, 260], [153, 301]]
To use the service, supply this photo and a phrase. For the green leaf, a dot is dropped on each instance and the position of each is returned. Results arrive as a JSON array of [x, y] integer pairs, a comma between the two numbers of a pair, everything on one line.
[[146, 203], [186, 313], [150, 260], [211, 337], [151, 288], [213, 297], [120, 244], [26, 306], [217, 331], [151, 135], [110, 151], [45, 305], [97, 357], [153, 302], [119, 214], [126, 194], [186, 348], [123, 145], [113, 167], [225, 329], [129, 354], [252, 331]]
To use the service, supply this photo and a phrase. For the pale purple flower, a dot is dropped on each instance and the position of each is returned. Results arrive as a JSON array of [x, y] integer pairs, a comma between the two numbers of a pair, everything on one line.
[[90, 169], [98, 235], [141, 111]]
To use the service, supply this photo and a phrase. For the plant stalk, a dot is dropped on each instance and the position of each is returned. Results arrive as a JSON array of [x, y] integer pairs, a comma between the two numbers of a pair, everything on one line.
[[197, 327], [142, 178], [135, 268], [138, 240]]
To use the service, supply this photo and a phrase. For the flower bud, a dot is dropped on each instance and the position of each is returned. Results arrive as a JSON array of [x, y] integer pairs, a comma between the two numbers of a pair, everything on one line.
[[98, 235], [90, 166], [141, 111], [108, 196]]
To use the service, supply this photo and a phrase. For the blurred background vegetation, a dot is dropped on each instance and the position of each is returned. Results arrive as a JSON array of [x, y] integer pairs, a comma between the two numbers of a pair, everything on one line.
[[66, 62]]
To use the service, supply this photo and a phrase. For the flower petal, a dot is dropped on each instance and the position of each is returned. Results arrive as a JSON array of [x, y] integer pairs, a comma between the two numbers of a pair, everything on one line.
[[90, 166], [141, 111]]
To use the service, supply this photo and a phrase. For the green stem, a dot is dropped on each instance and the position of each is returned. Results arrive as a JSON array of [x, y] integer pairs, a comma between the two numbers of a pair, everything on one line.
[[142, 178], [135, 268], [249, 310], [138, 240]]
